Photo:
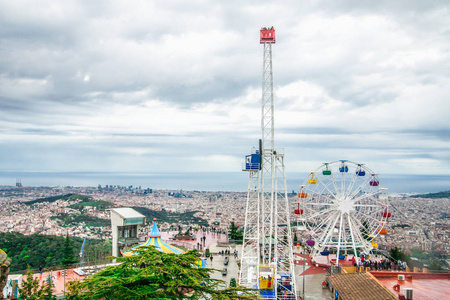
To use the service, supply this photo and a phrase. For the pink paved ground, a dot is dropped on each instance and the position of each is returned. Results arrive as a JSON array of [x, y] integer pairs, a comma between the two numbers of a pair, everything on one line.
[[312, 268], [326, 261], [58, 280], [211, 238]]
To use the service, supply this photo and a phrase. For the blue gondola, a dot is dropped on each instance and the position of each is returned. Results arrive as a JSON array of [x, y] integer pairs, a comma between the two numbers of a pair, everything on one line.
[[343, 169], [253, 161], [360, 171]]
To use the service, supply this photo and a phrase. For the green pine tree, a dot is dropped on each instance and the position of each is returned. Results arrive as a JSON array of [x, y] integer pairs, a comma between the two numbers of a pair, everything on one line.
[[68, 255], [151, 274]]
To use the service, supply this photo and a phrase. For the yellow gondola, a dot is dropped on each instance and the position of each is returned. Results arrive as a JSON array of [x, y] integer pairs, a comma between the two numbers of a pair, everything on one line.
[[312, 180]]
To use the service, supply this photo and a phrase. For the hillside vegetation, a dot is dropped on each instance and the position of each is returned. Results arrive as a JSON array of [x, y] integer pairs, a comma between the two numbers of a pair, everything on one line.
[[46, 250], [67, 220], [445, 194], [169, 217], [66, 197]]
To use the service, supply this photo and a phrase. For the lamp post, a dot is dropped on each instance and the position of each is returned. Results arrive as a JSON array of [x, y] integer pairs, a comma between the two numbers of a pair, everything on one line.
[[304, 262]]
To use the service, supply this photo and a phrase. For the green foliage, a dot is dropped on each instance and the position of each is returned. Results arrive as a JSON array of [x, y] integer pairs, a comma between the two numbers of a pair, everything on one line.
[[75, 219], [445, 194], [233, 282], [31, 289], [165, 216], [151, 274], [435, 264], [66, 197], [100, 204], [235, 234], [365, 231], [397, 254], [68, 255], [46, 250], [401, 226]]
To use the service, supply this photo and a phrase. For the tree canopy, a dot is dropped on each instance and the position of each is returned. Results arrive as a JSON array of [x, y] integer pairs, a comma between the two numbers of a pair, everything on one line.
[[46, 250], [235, 234], [153, 274], [31, 289]]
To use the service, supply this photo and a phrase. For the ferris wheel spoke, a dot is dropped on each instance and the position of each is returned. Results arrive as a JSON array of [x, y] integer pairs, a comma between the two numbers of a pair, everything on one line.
[[360, 187], [327, 188], [339, 239], [369, 205], [354, 229], [321, 213], [333, 181], [329, 229], [362, 228], [369, 217], [324, 220], [318, 203], [350, 225], [351, 184], [366, 196]]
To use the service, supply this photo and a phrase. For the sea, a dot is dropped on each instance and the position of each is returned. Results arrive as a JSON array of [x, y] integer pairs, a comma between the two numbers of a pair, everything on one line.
[[205, 181]]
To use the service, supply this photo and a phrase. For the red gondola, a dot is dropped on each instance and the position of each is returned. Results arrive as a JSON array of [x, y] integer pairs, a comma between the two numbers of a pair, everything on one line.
[[386, 214]]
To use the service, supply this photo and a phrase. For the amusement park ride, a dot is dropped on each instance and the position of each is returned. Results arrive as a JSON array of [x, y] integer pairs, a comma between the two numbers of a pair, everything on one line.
[[267, 262], [343, 207]]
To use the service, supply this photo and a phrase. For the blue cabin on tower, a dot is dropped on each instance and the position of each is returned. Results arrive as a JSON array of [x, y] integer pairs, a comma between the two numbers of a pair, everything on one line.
[[253, 161]]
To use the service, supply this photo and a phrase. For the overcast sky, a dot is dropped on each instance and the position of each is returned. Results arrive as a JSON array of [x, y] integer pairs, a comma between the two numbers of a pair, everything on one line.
[[175, 86]]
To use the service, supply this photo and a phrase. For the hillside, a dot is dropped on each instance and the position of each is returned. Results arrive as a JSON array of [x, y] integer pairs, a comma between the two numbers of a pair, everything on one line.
[[66, 197], [169, 217], [445, 194], [75, 219]]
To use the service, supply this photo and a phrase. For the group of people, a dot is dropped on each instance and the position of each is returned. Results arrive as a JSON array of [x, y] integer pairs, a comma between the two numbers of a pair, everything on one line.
[[228, 252], [385, 264]]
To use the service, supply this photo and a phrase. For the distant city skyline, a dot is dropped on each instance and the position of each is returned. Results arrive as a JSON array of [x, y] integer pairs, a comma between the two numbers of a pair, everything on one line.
[[175, 88], [230, 181]]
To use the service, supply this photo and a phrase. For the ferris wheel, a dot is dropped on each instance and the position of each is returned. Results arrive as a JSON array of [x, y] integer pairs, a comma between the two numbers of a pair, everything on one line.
[[343, 207]]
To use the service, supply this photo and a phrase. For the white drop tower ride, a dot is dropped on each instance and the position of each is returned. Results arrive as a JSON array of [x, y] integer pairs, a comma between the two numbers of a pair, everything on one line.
[[267, 261]]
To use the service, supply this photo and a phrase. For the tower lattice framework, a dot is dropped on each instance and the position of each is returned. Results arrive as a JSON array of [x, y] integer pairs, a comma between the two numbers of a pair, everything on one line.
[[267, 237]]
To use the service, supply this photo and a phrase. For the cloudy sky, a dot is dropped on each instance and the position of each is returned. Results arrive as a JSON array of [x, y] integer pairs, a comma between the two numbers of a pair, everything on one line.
[[175, 86]]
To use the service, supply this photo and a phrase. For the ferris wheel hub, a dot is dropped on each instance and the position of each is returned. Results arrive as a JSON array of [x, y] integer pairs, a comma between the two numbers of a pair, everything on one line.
[[346, 206]]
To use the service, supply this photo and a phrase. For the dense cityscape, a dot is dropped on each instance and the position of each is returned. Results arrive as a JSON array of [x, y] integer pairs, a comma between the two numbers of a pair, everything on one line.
[[416, 223]]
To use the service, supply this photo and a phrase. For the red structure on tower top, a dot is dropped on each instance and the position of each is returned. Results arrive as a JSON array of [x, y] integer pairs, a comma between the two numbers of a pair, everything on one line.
[[267, 35]]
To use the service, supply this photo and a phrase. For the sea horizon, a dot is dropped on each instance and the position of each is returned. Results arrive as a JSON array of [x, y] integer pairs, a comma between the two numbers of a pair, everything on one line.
[[204, 181]]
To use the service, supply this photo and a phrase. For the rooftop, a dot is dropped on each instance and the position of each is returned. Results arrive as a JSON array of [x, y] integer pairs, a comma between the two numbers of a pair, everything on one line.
[[425, 285], [127, 213], [359, 286]]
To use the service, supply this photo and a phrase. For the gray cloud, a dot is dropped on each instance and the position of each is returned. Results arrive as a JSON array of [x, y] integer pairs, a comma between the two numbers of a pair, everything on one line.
[[175, 86]]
